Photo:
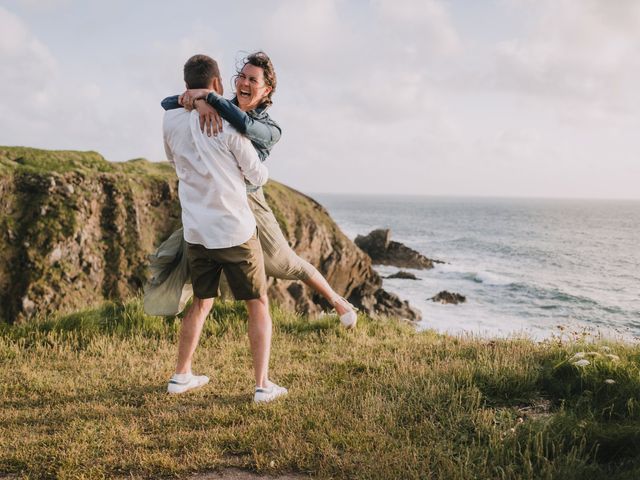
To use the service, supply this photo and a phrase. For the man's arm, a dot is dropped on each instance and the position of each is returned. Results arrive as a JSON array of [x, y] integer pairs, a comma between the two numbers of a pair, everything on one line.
[[250, 165]]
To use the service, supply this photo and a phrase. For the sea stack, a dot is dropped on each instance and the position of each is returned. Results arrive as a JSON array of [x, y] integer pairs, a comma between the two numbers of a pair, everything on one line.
[[449, 297], [383, 251]]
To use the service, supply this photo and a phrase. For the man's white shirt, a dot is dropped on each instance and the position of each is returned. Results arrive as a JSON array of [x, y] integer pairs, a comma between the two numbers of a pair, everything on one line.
[[211, 173]]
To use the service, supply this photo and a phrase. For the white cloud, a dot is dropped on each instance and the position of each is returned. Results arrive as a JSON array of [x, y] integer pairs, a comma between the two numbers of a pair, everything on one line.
[[419, 24], [26, 62], [109, 107], [582, 50]]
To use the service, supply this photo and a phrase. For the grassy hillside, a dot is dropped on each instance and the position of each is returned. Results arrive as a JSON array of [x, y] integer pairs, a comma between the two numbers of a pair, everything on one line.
[[83, 397]]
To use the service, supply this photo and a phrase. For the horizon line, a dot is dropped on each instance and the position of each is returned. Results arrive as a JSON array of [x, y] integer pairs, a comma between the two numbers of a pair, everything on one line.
[[479, 196]]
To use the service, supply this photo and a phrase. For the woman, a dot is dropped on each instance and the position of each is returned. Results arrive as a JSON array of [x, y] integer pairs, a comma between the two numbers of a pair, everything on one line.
[[255, 84]]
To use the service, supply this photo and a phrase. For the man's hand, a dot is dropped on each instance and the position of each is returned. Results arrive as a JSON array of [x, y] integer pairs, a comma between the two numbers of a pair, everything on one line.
[[209, 118]]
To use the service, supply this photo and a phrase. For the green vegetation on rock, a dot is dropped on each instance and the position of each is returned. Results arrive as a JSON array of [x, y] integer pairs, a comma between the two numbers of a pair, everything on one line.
[[39, 161], [76, 228], [84, 396]]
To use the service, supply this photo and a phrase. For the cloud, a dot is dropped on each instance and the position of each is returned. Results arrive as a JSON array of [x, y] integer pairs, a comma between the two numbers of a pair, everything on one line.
[[356, 96], [419, 25], [587, 51], [41, 106], [111, 106], [26, 62], [372, 96]]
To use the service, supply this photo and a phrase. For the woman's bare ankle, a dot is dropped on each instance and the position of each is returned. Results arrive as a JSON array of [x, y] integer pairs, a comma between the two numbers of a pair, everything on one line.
[[341, 305]]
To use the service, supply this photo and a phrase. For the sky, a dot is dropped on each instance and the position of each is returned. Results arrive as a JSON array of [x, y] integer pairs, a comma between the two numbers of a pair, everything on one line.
[[533, 98]]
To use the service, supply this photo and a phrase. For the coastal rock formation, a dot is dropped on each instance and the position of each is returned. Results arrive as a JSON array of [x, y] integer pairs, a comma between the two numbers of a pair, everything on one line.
[[383, 251], [316, 237], [404, 275], [448, 297], [75, 230]]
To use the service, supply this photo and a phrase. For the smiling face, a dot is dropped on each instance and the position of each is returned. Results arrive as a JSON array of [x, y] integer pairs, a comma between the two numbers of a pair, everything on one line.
[[250, 87]]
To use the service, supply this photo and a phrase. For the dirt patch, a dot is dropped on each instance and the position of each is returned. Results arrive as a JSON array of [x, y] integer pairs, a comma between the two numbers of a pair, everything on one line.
[[238, 474], [540, 408]]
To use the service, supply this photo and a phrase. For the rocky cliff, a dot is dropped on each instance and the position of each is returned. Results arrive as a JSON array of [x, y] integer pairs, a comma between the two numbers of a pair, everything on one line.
[[75, 230]]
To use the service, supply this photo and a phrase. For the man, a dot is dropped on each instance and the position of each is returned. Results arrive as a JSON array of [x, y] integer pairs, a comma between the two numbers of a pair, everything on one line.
[[219, 228]]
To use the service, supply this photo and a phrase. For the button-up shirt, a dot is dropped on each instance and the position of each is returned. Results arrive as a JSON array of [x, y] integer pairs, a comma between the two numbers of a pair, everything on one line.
[[212, 173]]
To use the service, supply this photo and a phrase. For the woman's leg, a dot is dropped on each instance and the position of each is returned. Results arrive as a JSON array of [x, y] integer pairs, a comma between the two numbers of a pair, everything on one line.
[[320, 285], [282, 262]]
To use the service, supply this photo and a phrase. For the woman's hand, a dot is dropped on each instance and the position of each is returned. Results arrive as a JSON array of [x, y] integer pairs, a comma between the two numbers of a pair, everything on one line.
[[209, 118], [197, 92], [190, 96]]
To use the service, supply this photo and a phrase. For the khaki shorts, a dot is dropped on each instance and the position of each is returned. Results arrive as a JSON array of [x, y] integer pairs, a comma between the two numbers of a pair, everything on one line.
[[243, 266]]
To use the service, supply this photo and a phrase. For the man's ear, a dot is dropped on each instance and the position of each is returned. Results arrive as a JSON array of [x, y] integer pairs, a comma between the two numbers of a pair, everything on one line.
[[217, 85]]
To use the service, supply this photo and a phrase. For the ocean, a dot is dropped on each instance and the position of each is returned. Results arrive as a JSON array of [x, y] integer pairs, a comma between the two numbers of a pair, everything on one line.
[[534, 267]]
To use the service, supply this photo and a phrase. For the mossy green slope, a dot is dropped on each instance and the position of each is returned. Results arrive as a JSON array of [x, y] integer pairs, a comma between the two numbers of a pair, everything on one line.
[[66, 161], [75, 228]]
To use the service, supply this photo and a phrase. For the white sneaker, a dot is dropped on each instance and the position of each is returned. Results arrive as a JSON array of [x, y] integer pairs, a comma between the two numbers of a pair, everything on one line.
[[349, 318], [268, 394], [181, 383]]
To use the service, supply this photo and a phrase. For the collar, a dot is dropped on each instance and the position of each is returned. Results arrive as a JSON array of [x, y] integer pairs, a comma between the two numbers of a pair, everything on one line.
[[258, 112]]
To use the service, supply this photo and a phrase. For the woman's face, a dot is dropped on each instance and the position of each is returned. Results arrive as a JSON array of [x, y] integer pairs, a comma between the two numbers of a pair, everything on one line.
[[250, 87]]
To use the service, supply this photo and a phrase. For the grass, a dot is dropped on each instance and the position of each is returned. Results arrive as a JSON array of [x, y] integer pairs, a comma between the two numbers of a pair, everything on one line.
[[83, 397], [46, 162]]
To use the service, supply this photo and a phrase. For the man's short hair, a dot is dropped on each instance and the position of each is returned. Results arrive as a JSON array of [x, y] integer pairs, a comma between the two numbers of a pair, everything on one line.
[[199, 71]]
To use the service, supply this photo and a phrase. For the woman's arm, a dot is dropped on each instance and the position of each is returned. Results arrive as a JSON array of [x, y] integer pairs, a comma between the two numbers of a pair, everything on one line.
[[171, 103], [263, 132]]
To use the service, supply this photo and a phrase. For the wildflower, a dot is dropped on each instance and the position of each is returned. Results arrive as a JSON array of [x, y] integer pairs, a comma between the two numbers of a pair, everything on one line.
[[593, 354], [582, 363], [613, 357], [578, 356], [604, 348], [609, 381]]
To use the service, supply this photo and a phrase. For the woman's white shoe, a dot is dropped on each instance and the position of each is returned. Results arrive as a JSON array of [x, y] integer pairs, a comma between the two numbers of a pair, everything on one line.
[[350, 317]]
